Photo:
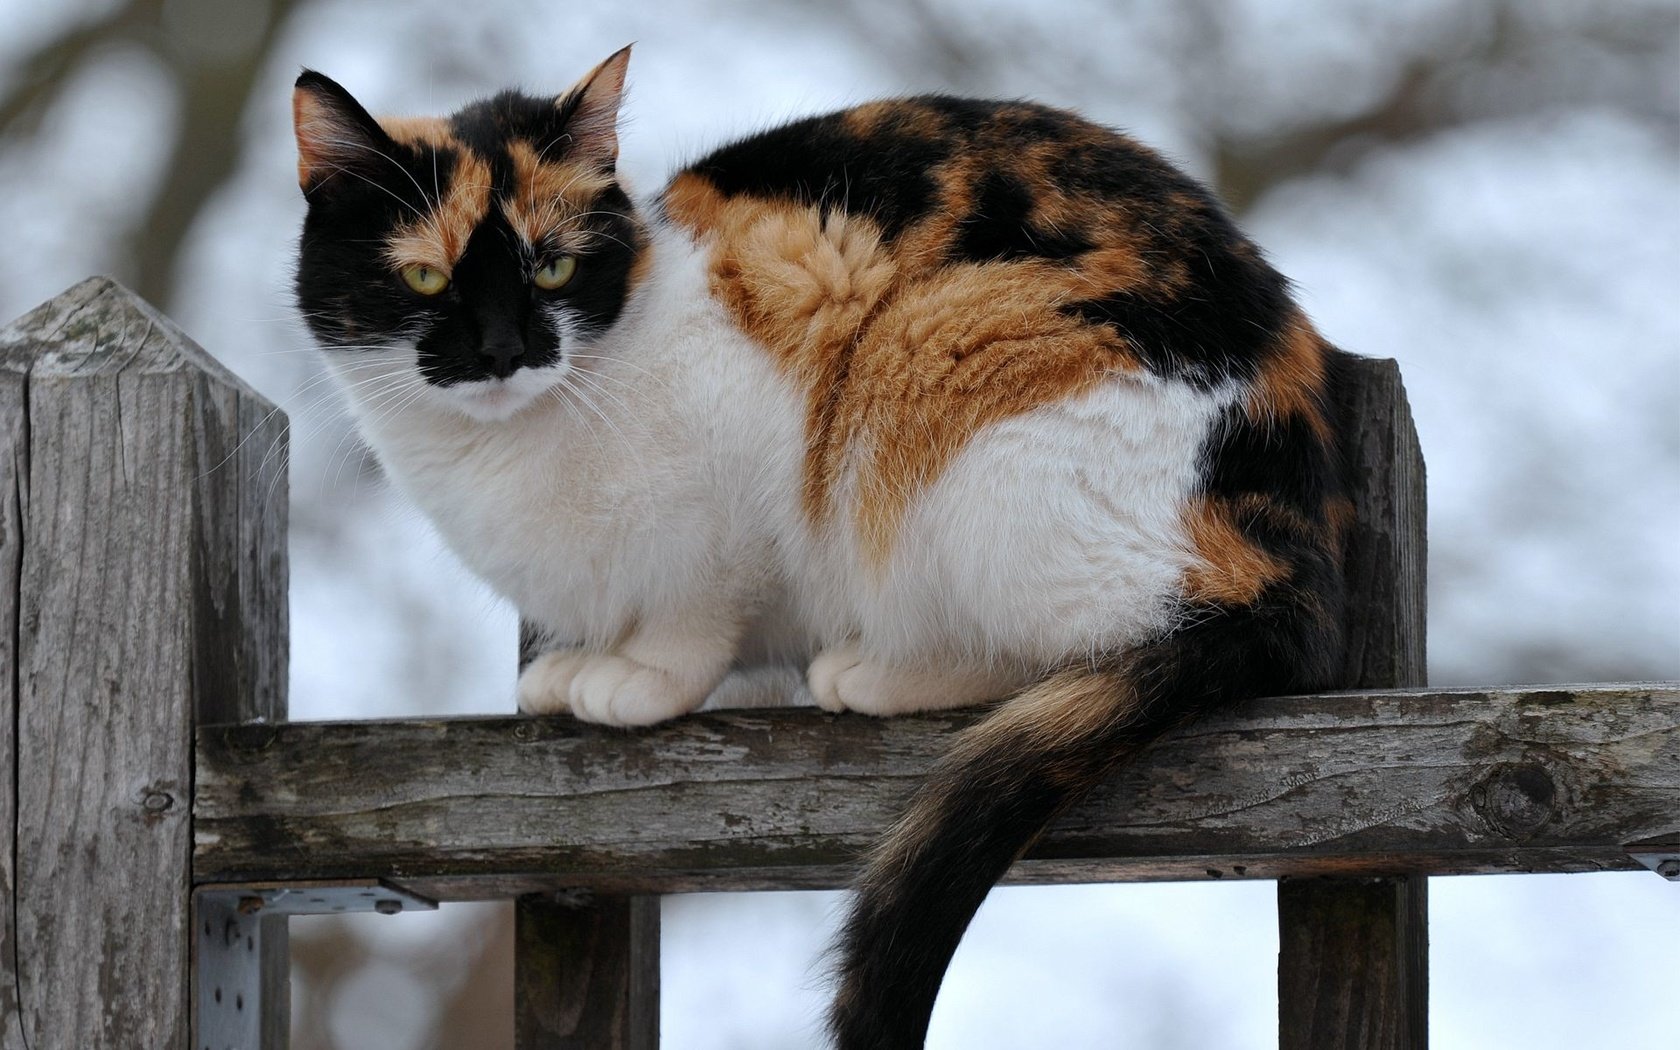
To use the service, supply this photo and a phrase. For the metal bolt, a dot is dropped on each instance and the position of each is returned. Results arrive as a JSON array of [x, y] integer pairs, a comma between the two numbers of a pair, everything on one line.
[[524, 731], [1669, 869], [387, 906]]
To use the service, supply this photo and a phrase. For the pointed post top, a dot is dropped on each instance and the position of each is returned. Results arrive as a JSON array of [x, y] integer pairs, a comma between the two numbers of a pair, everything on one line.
[[99, 327]]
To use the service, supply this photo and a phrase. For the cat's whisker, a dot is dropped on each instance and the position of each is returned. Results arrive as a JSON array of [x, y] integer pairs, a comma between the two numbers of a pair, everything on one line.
[[573, 355], [377, 408], [378, 186], [368, 147], [591, 384], [569, 397]]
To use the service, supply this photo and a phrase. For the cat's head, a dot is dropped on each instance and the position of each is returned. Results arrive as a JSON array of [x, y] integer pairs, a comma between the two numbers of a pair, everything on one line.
[[476, 250]]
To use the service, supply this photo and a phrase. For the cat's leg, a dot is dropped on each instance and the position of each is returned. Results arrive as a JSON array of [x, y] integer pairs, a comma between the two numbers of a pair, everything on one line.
[[845, 679], [665, 668]]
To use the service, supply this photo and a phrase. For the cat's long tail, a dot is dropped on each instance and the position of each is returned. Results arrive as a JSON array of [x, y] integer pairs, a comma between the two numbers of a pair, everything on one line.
[[1012, 773]]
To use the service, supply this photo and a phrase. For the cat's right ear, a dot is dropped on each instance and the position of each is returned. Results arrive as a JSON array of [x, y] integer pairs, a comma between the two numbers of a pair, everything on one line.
[[590, 109], [334, 133]]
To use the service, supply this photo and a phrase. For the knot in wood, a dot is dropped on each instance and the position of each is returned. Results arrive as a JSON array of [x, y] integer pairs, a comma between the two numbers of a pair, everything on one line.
[[1517, 799]]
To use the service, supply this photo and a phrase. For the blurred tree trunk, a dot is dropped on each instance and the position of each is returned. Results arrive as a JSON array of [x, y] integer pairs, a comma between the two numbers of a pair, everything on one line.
[[214, 70]]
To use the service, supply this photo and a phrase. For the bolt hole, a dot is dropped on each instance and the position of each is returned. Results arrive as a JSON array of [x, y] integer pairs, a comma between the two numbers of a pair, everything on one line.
[[218, 995], [239, 1002], [250, 944]]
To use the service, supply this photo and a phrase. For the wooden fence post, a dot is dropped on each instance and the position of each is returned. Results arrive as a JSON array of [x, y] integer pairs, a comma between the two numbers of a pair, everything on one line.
[[1353, 953], [585, 967], [586, 973], [143, 522]]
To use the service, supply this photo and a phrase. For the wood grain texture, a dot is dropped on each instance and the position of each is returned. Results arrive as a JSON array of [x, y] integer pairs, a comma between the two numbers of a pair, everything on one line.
[[1377, 925], [150, 589], [1353, 962], [586, 973], [1449, 781], [14, 476]]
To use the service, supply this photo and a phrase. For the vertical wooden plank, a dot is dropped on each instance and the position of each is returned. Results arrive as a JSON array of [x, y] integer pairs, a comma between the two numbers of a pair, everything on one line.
[[150, 590], [1353, 962], [14, 473], [1351, 946], [586, 974], [586, 968]]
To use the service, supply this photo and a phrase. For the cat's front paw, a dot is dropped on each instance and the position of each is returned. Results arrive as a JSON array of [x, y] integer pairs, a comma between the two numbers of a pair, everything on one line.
[[618, 691], [545, 686], [823, 676], [844, 679]]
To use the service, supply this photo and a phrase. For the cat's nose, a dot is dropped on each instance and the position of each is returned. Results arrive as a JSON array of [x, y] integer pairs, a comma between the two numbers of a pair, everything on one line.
[[504, 356]]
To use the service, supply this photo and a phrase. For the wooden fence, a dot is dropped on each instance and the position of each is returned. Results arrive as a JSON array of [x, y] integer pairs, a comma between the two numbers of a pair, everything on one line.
[[166, 818]]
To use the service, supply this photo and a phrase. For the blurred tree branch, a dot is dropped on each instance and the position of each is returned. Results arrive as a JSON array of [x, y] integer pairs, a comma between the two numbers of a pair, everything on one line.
[[1499, 60], [49, 68], [213, 89], [1431, 96]]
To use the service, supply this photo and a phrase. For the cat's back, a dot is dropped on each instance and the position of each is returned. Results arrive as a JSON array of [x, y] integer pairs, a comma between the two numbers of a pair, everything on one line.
[[979, 298], [1006, 188]]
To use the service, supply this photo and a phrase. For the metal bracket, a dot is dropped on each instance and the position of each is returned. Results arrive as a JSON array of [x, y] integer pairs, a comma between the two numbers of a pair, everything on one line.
[[315, 898], [231, 956], [1664, 860]]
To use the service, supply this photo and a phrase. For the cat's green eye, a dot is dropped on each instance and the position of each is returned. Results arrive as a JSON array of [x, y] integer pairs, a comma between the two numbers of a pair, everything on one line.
[[555, 273], [424, 279]]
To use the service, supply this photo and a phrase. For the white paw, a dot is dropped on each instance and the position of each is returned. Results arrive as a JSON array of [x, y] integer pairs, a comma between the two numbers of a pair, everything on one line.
[[545, 686], [823, 676], [843, 679], [617, 691]]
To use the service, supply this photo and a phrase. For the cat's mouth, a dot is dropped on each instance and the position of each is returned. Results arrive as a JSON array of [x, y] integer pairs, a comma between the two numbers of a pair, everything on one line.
[[497, 400]]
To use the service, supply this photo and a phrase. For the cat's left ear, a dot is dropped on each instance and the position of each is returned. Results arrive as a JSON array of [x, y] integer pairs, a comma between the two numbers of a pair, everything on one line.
[[590, 110], [334, 133]]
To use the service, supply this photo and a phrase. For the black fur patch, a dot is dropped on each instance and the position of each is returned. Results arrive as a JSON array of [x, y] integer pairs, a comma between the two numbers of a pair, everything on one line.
[[1218, 326], [1000, 227], [817, 161], [1283, 460], [487, 322]]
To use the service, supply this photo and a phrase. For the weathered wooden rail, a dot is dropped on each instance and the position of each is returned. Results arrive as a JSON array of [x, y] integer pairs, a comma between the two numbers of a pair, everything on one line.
[[1510, 780], [165, 819]]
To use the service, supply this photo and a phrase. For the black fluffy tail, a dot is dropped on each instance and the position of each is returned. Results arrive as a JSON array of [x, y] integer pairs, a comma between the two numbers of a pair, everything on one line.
[[1012, 773]]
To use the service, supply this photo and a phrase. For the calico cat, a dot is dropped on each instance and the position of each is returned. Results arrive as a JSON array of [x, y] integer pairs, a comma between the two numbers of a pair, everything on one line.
[[949, 401]]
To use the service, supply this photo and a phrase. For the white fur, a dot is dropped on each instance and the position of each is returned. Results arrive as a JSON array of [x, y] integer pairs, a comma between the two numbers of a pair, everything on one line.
[[640, 502]]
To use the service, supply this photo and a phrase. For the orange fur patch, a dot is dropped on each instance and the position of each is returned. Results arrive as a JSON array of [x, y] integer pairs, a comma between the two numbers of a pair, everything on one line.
[[940, 363], [548, 197], [438, 238], [1291, 381], [903, 361], [1232, 570], [432, 132]]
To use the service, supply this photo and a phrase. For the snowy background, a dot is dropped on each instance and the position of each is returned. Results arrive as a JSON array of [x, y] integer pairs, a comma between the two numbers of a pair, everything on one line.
[[1488, 192]]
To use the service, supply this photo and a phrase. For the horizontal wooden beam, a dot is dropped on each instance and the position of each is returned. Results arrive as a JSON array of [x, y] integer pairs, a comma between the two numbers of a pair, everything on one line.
[[1438, 782]]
